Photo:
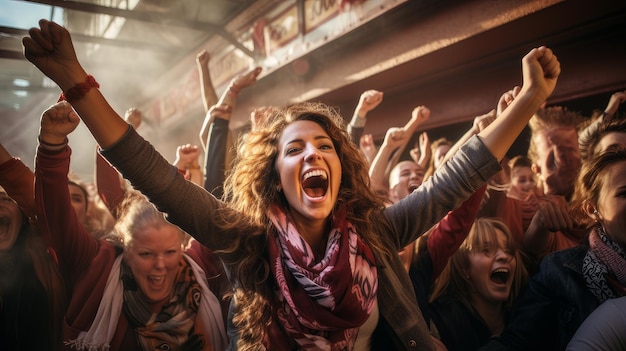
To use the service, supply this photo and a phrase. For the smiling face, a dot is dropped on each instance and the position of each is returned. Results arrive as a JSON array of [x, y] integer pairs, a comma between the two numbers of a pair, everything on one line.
[[404, 178], [309, 171], [558, 159], [522, 181], [153, 255], [10, 221], [491, 270]]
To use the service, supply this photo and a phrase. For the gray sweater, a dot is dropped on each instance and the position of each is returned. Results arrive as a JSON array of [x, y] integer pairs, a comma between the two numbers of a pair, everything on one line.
[[193, 209]]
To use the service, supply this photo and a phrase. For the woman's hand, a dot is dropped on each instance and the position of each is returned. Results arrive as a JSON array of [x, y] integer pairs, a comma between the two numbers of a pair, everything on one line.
[[51, 50], [187, 156], [506, 99], [368, 101], [57, 122], [203, 58], [420, 114], [133, 116], [367, 146], [247, 79], [540, 68]]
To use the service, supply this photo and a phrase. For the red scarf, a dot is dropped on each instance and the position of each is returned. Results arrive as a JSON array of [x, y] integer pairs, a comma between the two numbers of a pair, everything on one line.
[[322, 304]]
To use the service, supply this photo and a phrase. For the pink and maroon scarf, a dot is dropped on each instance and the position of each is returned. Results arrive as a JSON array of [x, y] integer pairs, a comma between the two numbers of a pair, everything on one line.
[[322, 304], [604, 266]]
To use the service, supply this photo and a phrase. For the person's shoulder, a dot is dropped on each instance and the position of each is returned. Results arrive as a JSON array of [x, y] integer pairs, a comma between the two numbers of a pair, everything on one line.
[[566, 254], [563, 260]]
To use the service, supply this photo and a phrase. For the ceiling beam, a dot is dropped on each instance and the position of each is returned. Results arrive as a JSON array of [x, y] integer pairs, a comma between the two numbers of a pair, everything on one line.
[[30, 89], [100, 40], [13, 31], [147, 16], [10, 54]]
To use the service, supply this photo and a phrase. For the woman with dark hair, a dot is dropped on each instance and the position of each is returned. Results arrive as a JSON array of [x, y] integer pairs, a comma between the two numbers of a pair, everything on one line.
[[311, 249], [32, 293]]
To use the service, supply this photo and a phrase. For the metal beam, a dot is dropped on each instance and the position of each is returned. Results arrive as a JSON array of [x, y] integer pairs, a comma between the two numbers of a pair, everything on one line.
[[104, 41], [146, 16], [10, 54], [13, 31], [29, 89]]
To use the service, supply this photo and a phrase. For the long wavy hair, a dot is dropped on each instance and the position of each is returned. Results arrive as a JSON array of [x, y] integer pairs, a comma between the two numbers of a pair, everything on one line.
[[251, 188], [453, 280]]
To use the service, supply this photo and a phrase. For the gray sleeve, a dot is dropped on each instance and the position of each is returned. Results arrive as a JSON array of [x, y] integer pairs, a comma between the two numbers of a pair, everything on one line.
[[604, 329], [356, 128], [187, 205], [451, 184]]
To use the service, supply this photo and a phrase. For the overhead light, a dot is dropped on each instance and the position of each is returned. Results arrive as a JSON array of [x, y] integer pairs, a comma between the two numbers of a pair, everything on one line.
[[22, 83]]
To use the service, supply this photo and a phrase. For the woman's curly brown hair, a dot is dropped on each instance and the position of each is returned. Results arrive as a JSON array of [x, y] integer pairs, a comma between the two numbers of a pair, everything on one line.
[[251, 188]]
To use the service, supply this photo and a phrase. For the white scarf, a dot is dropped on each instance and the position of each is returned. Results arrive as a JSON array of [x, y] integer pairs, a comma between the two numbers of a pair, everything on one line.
[[100, 334]]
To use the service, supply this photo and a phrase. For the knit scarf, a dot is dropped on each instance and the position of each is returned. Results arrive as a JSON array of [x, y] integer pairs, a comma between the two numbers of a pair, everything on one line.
[[604, 266], [322, 304]]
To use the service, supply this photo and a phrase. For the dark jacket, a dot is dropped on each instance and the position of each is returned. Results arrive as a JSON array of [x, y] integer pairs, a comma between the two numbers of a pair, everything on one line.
[[551, 307], [459, 325]]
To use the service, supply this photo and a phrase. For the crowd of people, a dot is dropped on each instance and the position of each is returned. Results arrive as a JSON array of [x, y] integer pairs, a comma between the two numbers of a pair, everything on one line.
[[302, 233]]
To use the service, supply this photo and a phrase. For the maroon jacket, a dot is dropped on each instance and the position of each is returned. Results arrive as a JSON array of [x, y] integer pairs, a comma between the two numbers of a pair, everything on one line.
[[85, 261]]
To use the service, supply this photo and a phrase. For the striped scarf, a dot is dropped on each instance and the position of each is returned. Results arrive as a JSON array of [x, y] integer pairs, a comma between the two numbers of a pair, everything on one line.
[[322, 304]]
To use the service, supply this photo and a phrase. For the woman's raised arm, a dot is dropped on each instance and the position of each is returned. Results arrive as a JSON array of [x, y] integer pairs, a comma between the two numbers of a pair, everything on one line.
[[50, 49]]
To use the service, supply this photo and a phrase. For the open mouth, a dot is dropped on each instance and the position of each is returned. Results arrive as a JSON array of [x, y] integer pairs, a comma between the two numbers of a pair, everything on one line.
[[315, 183], [500, 276], [156, 280], [412, 187], [4, 225]]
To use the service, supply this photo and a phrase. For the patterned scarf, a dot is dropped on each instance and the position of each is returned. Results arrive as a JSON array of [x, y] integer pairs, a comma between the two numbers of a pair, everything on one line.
[[322, 304], [174, 324], [604, 266]]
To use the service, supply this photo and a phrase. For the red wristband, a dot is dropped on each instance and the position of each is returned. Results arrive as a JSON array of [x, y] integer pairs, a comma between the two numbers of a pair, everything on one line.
[[79, 90]]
